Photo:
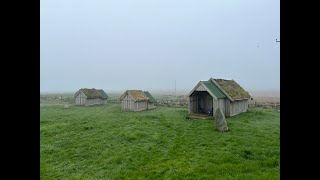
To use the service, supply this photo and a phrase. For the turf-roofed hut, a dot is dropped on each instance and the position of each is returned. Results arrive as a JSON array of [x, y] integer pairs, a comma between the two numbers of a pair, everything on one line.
[[87, 97], [152, 101], [134, 100], [209, 95]]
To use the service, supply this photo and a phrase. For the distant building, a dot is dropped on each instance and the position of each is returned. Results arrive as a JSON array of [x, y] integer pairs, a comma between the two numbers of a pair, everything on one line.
[[87, 97], [136, 100], [228, 95]]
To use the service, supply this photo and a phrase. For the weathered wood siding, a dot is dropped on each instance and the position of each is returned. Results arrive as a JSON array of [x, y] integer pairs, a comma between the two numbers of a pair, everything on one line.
[[237, 107], [208, 102], [93, 101], [215, 104], [227, 111], [103, 101], [200, 88], [81, 99], [193, 104], [141, 105], [128, 104]]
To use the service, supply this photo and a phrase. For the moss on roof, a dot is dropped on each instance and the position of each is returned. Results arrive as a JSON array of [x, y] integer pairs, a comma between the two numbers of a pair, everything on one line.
[[137, 95], [91, 93], [151, 98], [102, 94], [233, 89]]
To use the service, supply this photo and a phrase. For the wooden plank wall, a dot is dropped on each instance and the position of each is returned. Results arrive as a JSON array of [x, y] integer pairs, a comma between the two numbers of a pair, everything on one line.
[[141, 105], [227, 110], [193, 104], [81, 99], [93, 101], [209, 102], [103, 101], [127, 103], [237, 107]]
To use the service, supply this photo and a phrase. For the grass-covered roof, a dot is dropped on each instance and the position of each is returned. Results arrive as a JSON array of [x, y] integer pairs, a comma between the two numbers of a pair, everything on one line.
[[233, 89], [93, 93], [137, 95], [103, 94]]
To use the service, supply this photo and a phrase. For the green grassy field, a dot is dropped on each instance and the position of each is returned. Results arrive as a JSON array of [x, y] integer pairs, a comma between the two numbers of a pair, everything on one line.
[[101, 142]]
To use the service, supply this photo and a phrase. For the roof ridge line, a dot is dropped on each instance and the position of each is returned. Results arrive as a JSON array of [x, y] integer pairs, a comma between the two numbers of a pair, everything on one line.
[[221, 89]]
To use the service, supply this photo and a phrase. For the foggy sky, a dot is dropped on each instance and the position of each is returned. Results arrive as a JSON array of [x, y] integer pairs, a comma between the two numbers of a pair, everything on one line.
[[148, 44]]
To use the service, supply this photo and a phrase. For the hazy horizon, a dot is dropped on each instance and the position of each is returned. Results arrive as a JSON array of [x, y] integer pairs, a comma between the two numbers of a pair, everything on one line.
[[148, 45], [260, 93]]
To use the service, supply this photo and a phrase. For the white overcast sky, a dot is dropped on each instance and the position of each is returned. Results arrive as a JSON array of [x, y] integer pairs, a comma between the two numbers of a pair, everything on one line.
[[148, 44]]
